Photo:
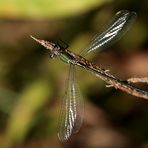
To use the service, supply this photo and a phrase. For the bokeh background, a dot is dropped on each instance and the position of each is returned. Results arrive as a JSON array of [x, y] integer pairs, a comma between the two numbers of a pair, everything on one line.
[[31, 84]]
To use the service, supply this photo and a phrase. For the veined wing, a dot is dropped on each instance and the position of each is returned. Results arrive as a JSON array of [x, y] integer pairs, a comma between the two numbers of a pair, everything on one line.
[[117, 27], [72, 109]]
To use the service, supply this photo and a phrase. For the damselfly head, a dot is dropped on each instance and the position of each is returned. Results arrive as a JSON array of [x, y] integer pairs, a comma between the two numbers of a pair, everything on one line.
[[53, 49]]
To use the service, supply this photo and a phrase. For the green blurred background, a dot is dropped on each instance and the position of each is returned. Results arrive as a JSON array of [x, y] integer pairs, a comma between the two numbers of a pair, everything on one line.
[[31, 84]]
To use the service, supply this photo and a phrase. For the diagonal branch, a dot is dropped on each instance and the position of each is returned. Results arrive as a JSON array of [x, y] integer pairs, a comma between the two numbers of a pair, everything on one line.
[[138, 80]]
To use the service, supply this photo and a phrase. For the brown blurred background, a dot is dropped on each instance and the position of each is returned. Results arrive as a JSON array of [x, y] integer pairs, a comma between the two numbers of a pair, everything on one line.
[[31, 84]]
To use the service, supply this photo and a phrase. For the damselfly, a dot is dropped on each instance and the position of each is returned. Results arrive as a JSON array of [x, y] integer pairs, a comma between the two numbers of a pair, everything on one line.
[[71, 114]]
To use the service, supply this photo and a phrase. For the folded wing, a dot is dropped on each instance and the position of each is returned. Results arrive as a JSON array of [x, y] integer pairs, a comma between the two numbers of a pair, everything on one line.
[[119, 25], [72, 108]]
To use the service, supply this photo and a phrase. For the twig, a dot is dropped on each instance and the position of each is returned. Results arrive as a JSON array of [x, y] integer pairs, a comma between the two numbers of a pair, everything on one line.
[[72, 58], [123, 85], [111, 80], [138, 80]]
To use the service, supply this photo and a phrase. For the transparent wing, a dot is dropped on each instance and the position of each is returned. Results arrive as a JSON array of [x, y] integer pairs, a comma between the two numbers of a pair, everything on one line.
[[117, 27], [72, 109]]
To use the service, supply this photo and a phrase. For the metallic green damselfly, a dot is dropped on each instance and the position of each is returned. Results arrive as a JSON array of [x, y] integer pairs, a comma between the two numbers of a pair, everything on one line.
[[72, 108]]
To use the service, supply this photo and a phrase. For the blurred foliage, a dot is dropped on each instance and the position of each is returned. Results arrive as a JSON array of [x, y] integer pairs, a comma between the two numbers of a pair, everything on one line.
[[47, 8], [31, 84], [33, 98]]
